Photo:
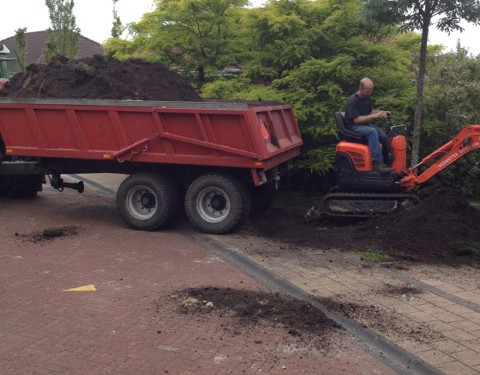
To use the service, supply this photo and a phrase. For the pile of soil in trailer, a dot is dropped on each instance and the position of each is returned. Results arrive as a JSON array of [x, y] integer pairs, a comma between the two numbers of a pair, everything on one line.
[[442, 228], [100, 77]]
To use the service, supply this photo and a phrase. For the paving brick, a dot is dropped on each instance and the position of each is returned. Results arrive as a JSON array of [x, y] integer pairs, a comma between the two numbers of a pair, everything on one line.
[[414, 346], [468, 357], [458, 309], [467, 326], [447, 317], [456, 368], [449, 346], [458, 335], [434, 357], [473, 344], [437, 300], [430, 308], [114, 330]]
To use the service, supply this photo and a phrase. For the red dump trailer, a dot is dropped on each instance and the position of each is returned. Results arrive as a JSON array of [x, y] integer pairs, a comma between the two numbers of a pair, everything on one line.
[[215, 157]]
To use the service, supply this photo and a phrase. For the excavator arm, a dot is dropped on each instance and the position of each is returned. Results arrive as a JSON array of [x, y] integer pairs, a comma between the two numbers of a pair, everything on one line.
[[468, 139]]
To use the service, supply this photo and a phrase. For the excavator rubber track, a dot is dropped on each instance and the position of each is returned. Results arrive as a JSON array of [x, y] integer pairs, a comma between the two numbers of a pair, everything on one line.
[[358, 205]]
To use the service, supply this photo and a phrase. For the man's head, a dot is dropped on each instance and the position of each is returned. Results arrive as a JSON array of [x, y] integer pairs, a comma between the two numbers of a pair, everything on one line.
[[365, 88]]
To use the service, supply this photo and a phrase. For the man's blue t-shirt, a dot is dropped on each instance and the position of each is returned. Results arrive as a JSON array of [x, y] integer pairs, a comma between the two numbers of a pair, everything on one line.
[[357, 106]]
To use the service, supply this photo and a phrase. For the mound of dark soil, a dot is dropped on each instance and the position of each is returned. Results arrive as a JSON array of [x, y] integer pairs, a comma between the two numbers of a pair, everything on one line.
[[48, 234], [100, 77], [442, 228], [246, 308], [442, 225]]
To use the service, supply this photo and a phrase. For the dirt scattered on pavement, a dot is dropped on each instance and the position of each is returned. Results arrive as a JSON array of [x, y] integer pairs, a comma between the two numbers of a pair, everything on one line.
[[100, 77], [241, 310], [388, 323], [405, 291], [48, 234]]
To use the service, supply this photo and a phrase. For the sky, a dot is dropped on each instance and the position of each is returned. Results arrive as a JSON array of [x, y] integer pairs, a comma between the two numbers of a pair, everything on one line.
[[95, 17]]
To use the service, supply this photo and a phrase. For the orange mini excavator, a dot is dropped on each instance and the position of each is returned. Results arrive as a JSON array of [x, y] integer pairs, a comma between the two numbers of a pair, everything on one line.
[[361, 192]]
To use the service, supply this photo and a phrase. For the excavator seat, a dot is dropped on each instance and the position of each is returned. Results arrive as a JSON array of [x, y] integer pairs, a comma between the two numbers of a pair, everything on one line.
[[346, 134]]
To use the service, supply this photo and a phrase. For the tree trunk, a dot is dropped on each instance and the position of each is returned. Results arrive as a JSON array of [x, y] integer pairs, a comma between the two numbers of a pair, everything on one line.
[[201, 74], [417, 121]]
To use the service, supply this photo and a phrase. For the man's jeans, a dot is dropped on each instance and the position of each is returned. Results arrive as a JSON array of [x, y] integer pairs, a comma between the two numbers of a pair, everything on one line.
[[375, 136]]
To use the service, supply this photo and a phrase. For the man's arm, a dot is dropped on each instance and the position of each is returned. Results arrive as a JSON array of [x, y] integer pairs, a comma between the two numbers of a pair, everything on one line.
[[376, 114]]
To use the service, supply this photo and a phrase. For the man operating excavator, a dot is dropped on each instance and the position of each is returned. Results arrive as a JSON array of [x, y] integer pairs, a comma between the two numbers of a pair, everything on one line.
[[358, 116]]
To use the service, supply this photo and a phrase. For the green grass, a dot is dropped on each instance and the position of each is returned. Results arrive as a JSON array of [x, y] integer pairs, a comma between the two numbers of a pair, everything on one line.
[[468, 248], [374, 256]]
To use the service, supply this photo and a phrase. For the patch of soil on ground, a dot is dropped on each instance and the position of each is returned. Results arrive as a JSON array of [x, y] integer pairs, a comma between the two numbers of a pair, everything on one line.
[[245, 309], [100, 77], [48, 234], [405, 291], [442, 228], [387, 323]]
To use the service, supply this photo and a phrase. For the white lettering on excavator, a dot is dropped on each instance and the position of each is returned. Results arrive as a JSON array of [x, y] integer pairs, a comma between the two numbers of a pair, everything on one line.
[[447, 161], [469, 147]]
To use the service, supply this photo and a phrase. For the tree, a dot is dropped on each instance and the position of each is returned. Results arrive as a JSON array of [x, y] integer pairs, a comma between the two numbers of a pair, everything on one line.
[[420, 15], [64, 33], [197, 36], [117, 27], [21, 43], [452, 101]]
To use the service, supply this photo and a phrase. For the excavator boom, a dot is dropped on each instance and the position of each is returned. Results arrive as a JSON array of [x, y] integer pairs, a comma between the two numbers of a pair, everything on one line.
[[468, 139]]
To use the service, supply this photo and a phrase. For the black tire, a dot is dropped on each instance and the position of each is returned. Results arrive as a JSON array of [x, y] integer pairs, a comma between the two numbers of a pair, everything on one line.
[[217, 203], [21, 186], [148, 201]]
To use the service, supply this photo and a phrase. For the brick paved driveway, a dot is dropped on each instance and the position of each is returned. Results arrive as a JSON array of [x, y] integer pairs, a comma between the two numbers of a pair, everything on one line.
[[124, 327]]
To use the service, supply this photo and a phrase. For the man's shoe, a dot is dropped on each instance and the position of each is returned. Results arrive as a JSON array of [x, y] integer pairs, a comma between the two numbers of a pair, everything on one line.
[[379, 166]]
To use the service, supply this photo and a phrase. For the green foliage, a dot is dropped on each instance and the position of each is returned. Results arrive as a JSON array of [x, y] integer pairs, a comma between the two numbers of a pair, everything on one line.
[[84, 68], [419, 15], [197, 36], [318, 160], [414, 14], [117, 26], [451, 103], [468, 248], [316, 90], [320, 86], [240, 89], [374, 256], [21, 42], [64, 33]]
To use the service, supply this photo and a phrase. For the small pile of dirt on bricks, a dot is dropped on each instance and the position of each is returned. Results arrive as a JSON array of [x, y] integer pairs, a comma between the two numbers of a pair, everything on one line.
[[442, 228], [100, 77], [260, 311]]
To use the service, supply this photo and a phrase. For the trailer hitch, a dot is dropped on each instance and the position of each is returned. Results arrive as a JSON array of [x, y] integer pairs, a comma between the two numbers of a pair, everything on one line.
[[57, 183]]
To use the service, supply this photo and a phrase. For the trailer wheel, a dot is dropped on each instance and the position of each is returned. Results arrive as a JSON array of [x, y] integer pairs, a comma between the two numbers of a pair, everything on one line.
[[217, 203], [147, 201], [21, 186]]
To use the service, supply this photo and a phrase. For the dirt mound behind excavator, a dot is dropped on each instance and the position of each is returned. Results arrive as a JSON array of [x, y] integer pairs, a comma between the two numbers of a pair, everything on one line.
[[100, 77], [442, 228]]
